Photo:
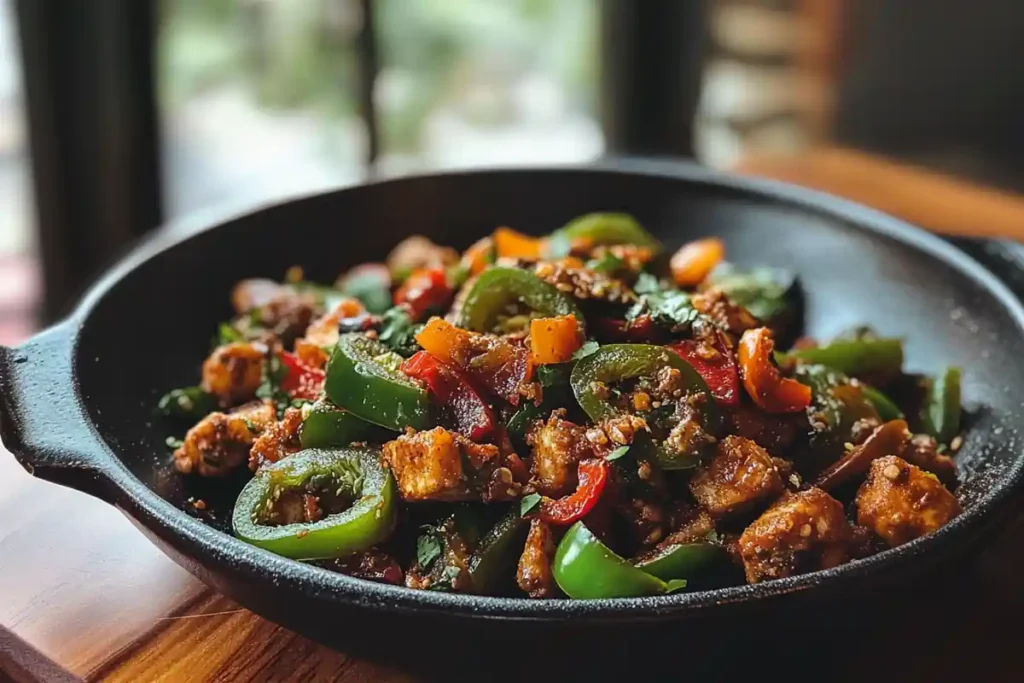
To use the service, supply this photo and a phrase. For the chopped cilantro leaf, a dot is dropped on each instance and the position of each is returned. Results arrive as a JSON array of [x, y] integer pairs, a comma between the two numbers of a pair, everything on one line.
[[617, 453], [174, 442], [274, 372], [528, 504], [428, 549], [607, 263], [398, 331], [227, 334]]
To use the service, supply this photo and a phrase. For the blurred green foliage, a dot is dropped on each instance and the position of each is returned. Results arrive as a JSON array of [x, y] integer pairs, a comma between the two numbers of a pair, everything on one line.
[[300, 54]]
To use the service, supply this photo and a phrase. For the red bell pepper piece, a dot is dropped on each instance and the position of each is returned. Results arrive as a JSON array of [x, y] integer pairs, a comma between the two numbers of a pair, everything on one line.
[[716, 366], [424, 290], [454, 392], [302, 381], [593, 475]]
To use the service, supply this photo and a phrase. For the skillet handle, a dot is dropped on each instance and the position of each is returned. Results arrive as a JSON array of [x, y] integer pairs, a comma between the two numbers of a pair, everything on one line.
[[42, 421]]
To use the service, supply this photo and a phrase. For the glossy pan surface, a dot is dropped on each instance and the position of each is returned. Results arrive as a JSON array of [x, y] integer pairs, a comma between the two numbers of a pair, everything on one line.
[[78, 399]]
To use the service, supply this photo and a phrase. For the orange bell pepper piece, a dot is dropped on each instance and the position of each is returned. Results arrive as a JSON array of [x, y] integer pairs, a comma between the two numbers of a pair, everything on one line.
[[554, 340], [770, 391], [511, 244], [695, 260]]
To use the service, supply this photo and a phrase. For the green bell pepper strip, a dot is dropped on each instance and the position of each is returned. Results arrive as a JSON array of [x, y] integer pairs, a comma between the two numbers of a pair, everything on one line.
[[350, 473], [682, 561], [855, 357], [585, 568], [364, 378], [836, 404], [188, 402], [497, 552], [615, 362], [497, 287], [940, 414], [887, 409], [599, 228], [328, 426]]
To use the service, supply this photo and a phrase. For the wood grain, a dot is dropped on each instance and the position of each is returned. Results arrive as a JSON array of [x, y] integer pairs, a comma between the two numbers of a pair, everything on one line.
[[919, 196]]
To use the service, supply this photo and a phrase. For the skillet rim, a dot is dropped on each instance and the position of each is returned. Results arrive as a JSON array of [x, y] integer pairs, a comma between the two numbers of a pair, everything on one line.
[[203, 545]]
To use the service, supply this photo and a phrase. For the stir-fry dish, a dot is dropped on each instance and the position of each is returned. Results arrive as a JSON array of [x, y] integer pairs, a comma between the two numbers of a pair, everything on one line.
[[584, 415]]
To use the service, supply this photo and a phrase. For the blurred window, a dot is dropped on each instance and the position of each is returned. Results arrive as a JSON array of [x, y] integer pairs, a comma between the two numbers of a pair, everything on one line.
[[19, 268], [259, 98]]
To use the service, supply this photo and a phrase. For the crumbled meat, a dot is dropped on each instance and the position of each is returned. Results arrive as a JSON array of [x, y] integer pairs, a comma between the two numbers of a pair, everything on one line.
[[687, 436], [583, 283], [557, 447], [900, 501], [774, 433], [615, 431], [279, 441], [220, 442], [372, 565], [233, 372], [282, 310], [923, 450], [739, 476], [633, 256], [730, 316], [534, 574], [323, 332], [863, 428], [419, 252], [445, 466], [644, 520], [801, 532]]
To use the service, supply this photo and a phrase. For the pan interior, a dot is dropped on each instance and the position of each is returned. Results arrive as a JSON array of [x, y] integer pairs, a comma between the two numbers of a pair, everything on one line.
[[151, 330]]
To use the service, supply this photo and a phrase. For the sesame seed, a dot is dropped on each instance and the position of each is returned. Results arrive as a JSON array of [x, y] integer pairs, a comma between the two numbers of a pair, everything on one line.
[[805, 530], [891, 472]]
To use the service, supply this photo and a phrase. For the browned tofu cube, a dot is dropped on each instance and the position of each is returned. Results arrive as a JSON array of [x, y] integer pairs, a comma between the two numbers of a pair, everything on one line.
[[220, 442], [900, 501], [801, 532], [739, 477], [557, 447], [441, 465]]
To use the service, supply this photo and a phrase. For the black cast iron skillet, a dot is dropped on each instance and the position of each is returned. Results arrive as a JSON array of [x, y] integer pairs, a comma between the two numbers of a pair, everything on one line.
[[77, 405]]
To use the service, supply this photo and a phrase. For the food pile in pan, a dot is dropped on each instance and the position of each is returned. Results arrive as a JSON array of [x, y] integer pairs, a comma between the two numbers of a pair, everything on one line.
[[584, 415]]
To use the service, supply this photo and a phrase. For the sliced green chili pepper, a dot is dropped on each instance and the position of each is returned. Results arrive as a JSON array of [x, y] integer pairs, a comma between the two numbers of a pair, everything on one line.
[[353, 478], [836, 404], [585, 568], [188, 402], [887, 409], [599, 228], [497, 552], [940, 414], [616, 362], [328, 426], [855, 357], [497, 287], [363, 377], [682, 561]]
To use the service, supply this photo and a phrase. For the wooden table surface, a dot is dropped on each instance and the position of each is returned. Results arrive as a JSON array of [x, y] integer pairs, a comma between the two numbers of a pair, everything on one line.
[[82, 588]]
